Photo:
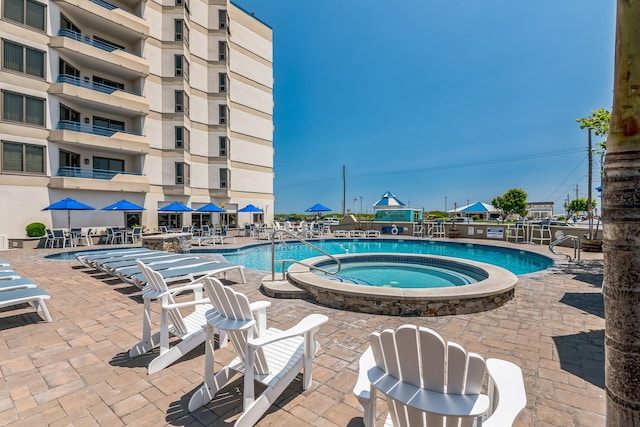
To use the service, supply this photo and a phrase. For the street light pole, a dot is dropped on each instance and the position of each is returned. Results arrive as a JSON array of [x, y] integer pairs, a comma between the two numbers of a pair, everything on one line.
[[445, 203]]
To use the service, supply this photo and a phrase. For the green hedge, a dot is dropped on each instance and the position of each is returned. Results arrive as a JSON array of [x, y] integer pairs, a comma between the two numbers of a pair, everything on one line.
[[35, 229]]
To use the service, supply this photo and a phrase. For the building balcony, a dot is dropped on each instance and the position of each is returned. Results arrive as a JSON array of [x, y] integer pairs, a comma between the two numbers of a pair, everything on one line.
[[96, 54], [71, 178], [99, 137], [93, 95], [106, 18]]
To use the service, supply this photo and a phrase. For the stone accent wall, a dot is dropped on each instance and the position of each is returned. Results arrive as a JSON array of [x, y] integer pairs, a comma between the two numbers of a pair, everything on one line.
[[166, 242]]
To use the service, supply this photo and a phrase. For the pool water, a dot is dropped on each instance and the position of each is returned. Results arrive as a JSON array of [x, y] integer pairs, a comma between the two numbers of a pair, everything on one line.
[[393, 275], [519, 262]]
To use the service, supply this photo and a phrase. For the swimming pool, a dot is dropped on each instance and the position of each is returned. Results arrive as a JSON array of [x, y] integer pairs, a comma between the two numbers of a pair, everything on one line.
[[517, 261]]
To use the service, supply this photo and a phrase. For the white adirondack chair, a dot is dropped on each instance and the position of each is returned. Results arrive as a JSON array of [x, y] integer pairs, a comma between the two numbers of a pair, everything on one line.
[[269, 356], [187, 328], [427, 382]]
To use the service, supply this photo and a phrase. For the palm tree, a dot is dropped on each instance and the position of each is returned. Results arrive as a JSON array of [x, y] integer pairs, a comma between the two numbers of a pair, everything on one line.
[[621, 216]]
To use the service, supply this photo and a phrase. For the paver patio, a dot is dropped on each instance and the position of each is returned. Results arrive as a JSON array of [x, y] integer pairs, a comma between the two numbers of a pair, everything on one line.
[[76, 371]]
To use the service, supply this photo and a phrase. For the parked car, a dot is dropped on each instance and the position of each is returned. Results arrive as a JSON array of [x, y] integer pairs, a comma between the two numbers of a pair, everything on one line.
[[461, 220]]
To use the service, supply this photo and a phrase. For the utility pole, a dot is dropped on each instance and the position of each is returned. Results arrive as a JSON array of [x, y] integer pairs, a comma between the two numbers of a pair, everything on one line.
[[576, 191], [344, 189], [445, 203], [589, 215]]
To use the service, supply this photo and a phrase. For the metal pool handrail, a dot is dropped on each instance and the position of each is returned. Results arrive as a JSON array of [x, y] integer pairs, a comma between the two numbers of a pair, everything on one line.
[[282, 233], [560, 238]]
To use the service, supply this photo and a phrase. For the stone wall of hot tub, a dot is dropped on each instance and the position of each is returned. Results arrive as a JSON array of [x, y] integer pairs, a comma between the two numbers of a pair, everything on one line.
[[488, 294]]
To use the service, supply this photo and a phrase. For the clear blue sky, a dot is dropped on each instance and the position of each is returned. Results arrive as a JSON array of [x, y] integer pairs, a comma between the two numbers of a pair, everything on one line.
[[432, 99]]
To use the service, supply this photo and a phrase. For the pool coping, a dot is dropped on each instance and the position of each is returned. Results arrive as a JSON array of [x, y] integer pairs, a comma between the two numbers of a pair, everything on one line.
[[487, 294]]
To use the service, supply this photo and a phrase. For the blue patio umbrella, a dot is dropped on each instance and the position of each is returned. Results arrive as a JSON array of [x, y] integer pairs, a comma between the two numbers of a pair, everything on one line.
[[318, 208], [210, 207], [124, 206], [175, 207], [250, 208], [68, 205]]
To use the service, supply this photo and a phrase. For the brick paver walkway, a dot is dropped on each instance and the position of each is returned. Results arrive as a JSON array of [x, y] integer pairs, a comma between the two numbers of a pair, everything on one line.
[[76, 371]]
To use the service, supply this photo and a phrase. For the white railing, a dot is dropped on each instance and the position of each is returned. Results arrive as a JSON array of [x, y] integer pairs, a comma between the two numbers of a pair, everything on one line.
[[561, 238], [4, 242]]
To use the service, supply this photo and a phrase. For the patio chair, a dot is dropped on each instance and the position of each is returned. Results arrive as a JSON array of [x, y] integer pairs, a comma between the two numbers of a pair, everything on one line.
[[516, 232], [48, 243], [431, 382], [188, 328], [59, 238], [190, 273], [269, 356], [541, 233], [136, 234], [34, 296]]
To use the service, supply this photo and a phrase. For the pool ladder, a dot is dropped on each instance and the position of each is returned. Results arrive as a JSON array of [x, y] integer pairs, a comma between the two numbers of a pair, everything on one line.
[[561, 238], [281, 234]]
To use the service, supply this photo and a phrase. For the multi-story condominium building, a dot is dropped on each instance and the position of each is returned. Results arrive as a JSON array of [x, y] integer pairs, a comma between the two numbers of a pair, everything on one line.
[[150, 101]]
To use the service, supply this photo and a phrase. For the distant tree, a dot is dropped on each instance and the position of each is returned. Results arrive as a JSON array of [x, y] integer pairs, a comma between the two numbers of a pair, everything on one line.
[[437, 214], [578, 205], [598, 122], [512, 202]]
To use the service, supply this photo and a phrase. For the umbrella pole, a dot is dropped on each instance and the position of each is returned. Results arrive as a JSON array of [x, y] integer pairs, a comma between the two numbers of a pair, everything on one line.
[[69, 219]]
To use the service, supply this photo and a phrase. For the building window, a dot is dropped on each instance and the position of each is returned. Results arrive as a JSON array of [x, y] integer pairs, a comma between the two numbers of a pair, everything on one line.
[[224, 119], [182, 102], [182, 173], [223, 146], [106, 164], [222, 51], [107, 82], [27, 12], [22, 108], [182, 137], [181, 67], [22, 158], [224, 178], [65, 23], [179, 29], [222, 19], [22, 59], [109, 43], [222, 82], [64, 68], [114, 125]]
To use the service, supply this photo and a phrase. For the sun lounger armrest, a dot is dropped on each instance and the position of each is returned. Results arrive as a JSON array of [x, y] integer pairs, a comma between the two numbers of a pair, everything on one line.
[[506, 391], [309, 324]]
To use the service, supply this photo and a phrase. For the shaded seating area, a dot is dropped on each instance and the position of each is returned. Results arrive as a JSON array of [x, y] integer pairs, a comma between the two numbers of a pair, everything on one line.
[[429, 382]]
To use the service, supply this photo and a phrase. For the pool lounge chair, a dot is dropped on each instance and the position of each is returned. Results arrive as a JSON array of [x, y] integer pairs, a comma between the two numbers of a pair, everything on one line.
[[97, 260], [269, 356], [191, 272], [10, 285], [111, 266], [9, 275], [86, 258], [4, 263], [34, 296], [126, 272]]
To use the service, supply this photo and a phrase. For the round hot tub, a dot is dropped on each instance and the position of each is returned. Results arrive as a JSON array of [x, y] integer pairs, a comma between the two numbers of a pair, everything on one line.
[[427, 285]]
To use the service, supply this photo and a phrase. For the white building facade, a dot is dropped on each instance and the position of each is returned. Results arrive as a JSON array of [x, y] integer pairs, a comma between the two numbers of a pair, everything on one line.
[[151, 101]]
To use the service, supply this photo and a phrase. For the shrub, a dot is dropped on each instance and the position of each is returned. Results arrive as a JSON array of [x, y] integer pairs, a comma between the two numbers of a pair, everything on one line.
[[35, 229]]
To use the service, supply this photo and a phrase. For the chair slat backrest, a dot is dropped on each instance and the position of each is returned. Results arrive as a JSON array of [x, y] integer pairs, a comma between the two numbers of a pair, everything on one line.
[[156, 282], [235, 306], [419, 356]]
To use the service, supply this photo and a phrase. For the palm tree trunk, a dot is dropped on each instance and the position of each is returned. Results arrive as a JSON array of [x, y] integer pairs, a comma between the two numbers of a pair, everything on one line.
[[621, 218]]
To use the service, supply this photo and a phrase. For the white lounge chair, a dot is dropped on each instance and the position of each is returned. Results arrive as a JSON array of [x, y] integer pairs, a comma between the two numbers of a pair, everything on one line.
[[10, 285], [4, 263], [34, 296], [200, 268], [269, 356], [426, 381], [9, 275]]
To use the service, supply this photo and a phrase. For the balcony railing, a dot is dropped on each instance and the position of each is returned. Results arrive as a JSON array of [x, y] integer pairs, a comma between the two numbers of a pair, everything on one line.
[[88, 84], [110, 6], [92, 42], [91, 129], [74, 172]]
